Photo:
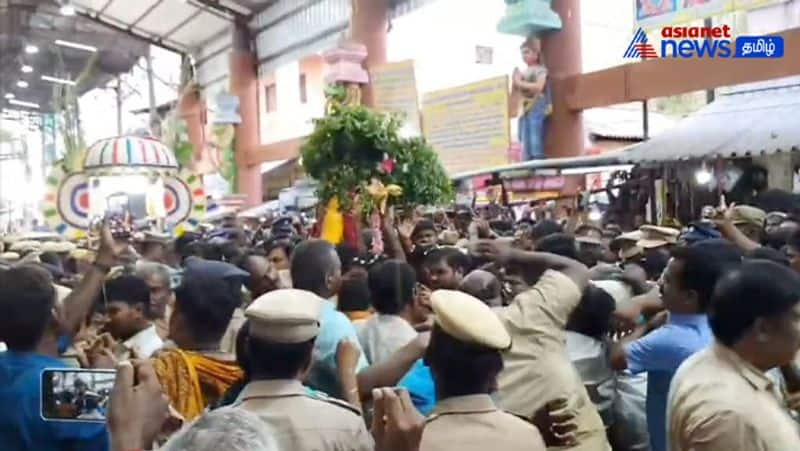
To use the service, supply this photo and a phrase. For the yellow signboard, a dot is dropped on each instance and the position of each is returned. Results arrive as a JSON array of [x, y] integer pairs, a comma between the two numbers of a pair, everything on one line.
[[394, 88], [468, 126]]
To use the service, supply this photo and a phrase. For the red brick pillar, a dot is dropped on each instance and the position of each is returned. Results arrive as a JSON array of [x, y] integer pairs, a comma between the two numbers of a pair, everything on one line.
[[563, 57], [244, 84], [192, 109], [370, 23]]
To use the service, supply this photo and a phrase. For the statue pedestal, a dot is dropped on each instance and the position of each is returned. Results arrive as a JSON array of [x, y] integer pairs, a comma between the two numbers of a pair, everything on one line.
[[528, 17], [345, 64]]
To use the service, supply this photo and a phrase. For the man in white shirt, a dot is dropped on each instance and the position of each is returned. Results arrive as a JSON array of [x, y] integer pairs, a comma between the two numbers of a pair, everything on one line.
[[587, 327], [392, 286], [127, 300]]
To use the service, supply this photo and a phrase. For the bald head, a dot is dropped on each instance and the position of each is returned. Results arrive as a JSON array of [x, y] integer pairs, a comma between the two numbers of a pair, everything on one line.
[[316, 267], [484, 286]]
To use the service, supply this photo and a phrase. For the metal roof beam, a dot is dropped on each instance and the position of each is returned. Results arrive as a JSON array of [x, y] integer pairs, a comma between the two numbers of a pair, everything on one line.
[[183, 23], [146, 13], [305, 42], [216, 36], [292, 12], [219, 10], [264, 7], [129, 32], [105, 7]]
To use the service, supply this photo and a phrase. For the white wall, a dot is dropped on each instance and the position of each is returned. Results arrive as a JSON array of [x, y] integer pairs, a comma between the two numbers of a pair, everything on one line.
[[441, 37], [773, 18], [292, 118]]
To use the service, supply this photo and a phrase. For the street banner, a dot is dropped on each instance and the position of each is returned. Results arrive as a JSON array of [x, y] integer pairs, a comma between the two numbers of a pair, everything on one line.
[[468, 126], [394, 89]]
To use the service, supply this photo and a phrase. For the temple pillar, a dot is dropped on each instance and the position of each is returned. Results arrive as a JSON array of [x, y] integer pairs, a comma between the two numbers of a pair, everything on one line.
[[370, 23], [192, 109], [563, 58], [244, 85]]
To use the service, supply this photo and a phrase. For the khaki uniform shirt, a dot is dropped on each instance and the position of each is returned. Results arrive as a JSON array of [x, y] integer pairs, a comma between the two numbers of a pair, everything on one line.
[[717, 401], [537, 368], [467, 423], [303, 420]]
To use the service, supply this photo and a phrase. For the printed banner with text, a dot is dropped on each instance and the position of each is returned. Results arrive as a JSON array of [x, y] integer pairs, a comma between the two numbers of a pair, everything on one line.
[[394, 88], [468, 126]]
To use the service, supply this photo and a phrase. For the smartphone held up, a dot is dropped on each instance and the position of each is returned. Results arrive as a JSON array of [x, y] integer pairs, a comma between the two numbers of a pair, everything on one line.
[[76, 394]]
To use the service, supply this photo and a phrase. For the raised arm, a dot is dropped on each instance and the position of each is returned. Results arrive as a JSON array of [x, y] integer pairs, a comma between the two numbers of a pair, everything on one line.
[[733, 234], [79, 302], [392, 244], [534, 262], [388, 372]]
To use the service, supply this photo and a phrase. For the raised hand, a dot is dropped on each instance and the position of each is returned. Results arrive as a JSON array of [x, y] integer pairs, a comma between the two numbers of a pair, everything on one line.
[[396, 423]]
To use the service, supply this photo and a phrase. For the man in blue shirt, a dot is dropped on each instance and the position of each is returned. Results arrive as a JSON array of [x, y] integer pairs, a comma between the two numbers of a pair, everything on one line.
[[419, 383], [686, 287], [316, 268], [30, 325]]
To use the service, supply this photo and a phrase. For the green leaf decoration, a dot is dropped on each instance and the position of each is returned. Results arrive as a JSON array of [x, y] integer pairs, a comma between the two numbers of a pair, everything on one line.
[[347, 146]]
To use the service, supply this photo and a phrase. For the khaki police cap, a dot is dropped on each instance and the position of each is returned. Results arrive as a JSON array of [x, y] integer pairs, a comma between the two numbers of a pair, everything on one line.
[[82, 254], [26, 246], [654, 236], [11, 239], [634, 236], [9, 256], [745, 214], [150, 236], [467, 319], [285, 316], [59, 247]]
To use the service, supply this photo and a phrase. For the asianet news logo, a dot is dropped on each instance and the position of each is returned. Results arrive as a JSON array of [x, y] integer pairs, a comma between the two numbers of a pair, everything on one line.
[[704, 42]]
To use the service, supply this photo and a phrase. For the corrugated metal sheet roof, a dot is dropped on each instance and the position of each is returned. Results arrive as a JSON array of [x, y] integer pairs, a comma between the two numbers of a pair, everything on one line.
[[584, 161], [291, 29], [624, 122], [740, 124]]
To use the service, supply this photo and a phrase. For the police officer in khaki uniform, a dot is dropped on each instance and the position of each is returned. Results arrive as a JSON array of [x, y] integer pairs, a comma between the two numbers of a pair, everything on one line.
[[721, 398], [536, 368], [464, 355], [283, 325]]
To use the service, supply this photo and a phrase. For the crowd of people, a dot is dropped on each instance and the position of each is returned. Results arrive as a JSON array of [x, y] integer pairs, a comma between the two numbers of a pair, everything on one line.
[[464, 329]]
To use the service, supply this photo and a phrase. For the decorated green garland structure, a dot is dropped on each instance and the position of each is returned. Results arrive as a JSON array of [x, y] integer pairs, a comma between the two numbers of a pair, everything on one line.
[[353, 147]]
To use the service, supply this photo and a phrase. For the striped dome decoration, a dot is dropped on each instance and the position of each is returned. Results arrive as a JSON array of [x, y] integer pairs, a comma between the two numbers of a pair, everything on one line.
[[131, 152]]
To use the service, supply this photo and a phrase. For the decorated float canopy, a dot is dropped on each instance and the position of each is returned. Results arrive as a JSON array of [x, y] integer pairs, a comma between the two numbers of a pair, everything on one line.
[[136, 177], [528, 18], [129, 154]]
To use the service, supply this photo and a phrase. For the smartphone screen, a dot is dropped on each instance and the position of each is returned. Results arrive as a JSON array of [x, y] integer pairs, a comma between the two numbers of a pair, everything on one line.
[[76, 394]]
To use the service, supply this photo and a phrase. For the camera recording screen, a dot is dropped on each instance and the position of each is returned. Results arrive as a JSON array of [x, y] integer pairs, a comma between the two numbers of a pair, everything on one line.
[[76, 395]]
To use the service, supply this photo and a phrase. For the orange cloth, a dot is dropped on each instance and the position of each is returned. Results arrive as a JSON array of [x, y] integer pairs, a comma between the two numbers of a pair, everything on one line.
[[192, 381]]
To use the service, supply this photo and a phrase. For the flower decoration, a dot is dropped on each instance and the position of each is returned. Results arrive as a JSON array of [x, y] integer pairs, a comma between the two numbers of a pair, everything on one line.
[[387, 165]]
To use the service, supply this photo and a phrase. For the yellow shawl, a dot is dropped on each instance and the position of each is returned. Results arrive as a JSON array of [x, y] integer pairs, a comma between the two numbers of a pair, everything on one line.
[[192, 380]]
